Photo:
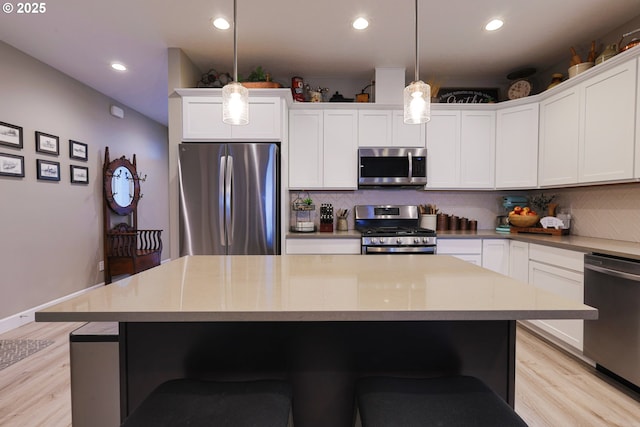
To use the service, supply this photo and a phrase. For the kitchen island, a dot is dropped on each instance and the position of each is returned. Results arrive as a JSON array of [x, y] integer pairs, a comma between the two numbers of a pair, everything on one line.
[[319, 321]]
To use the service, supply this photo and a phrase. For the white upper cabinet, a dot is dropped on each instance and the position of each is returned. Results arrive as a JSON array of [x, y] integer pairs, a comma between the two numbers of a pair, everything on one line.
[[405, 135], [375, 128], [386, 128], [202, 120], [517, 146], [477, 149], [306, 149], [340, 149], [559, 138], [443, 149], [608, 115], [461, 149], [323, 149]]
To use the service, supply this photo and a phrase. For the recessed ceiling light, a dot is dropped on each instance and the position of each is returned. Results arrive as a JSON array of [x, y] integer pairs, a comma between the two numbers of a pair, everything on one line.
[[494, 25], [221, 24], [118, 66], [360, 23]]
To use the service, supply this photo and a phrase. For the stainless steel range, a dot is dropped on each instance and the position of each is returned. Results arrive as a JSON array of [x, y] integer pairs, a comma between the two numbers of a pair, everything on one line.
[[393, 229]]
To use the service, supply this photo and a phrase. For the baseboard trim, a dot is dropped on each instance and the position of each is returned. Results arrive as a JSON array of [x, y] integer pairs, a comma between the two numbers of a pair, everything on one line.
[[28, 316]]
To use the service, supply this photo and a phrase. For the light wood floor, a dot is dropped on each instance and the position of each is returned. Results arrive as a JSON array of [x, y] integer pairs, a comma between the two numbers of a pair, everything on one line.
[[552, 388]]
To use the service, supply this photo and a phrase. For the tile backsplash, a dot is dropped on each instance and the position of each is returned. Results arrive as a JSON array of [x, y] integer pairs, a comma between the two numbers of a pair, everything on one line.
[[607, 211], [483, 206]]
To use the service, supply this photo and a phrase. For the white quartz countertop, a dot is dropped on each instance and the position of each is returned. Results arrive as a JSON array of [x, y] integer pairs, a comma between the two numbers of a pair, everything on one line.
[[316, 288]]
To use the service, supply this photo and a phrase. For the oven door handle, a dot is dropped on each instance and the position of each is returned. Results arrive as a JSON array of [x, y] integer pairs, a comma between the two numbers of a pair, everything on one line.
[[429, 250]]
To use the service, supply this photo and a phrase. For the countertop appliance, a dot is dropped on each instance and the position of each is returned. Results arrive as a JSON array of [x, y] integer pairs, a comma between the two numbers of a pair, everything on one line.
[[612, 285], [229, 198], [386, 167], [508, 203], [393, 229]]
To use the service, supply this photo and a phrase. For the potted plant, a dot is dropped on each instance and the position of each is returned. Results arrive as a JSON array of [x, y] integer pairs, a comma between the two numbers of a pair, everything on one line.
[[259, 78]]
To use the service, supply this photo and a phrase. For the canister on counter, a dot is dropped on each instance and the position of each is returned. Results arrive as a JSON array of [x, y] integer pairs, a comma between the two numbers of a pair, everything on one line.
[[464, 223], [454, 222], [473, 225], [442, 222]]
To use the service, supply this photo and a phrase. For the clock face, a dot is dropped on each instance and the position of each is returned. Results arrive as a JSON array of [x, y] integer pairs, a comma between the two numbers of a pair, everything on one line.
[[519, 89]]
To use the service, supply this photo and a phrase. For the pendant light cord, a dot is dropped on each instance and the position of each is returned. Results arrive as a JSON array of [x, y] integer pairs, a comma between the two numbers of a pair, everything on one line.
[[235, 41], [417, 66]]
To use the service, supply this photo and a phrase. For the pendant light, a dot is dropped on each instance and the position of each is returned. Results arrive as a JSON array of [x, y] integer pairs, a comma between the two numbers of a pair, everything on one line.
[[235, 97], [417, 96]]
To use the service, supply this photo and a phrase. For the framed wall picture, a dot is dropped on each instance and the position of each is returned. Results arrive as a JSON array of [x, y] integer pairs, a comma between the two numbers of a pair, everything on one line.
[[10, 135], [79, 174], [47, 144], [78, 150], [11, 165], [47, 170]]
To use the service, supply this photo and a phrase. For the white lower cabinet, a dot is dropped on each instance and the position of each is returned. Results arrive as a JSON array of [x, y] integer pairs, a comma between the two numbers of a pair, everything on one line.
[[469, 250], [322, 246], [495, 255], [561, 272], [519, 260]]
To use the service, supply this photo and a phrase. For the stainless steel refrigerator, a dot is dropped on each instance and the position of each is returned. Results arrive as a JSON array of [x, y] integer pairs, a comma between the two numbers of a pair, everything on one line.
[[229, 199]]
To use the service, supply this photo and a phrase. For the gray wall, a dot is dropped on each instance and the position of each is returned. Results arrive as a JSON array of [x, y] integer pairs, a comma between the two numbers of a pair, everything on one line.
[[51, 232]]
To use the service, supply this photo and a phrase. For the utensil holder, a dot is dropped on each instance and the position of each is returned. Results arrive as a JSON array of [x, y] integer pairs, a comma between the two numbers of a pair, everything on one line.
[[428, 221], [342, 224]]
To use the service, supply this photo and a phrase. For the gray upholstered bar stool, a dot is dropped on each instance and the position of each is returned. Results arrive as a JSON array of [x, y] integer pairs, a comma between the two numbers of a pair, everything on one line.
[[458, 401], [193, 403]]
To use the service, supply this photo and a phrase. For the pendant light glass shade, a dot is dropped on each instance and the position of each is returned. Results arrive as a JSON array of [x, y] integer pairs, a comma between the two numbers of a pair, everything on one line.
[[417, 103], [417, 96], [235, 97], [235, 104]]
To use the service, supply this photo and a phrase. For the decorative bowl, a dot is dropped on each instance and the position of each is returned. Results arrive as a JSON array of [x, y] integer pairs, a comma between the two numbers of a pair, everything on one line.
[[579, 68], [523, 220]]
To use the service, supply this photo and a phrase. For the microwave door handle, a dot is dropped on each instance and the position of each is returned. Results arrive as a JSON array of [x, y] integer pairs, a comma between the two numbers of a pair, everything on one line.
[[410, 166]]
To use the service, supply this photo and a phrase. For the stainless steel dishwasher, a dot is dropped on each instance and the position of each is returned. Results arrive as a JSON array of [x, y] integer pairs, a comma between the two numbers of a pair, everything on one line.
[[612, 285]]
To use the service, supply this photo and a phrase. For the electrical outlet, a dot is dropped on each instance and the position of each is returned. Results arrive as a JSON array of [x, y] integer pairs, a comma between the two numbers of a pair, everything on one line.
[[101, 266]]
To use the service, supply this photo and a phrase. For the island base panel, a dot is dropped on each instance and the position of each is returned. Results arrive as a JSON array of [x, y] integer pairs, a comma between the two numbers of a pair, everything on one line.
[[322, 360]]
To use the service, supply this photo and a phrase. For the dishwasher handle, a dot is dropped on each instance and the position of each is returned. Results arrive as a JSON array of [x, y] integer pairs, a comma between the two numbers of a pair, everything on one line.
[[611, 272]]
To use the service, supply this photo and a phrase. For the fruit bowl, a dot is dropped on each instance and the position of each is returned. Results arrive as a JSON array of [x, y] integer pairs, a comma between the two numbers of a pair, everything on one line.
[[523, 220]]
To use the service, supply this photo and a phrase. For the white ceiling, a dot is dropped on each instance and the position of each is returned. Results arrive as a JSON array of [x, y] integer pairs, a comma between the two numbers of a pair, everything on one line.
[[303, 37]]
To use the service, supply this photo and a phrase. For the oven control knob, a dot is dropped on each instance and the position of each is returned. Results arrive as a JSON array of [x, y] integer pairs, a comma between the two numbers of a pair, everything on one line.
[[425, 239], [399, 240], [382, 240], [373, 240], [416, 240]]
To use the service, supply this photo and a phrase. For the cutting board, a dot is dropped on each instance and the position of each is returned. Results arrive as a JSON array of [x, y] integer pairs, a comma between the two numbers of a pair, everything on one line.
[[540, 230]]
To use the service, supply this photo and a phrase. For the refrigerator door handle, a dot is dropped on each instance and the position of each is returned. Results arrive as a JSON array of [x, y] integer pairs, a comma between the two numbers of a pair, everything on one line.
[[229, 199], [221, 200]]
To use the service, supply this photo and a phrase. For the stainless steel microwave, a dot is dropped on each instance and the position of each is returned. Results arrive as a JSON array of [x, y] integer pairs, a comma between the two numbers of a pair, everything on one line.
[[382, 167]]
